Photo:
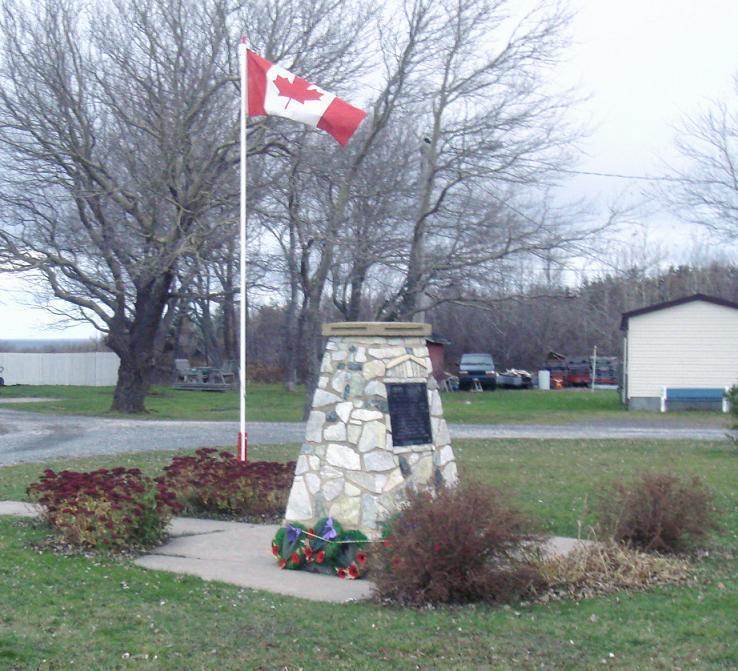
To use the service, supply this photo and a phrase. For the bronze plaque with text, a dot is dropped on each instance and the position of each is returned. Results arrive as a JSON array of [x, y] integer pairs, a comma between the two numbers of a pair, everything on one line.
[[409, 413]]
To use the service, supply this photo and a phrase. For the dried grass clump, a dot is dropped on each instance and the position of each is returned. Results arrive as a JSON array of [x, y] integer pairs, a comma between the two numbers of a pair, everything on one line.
[[603, 568]]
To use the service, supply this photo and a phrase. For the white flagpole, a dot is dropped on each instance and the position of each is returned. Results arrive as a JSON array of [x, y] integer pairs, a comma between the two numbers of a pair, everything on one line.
[[242, 435]]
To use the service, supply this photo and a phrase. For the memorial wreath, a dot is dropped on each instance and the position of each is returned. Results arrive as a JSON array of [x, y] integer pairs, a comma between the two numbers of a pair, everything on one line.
[[324, 548]]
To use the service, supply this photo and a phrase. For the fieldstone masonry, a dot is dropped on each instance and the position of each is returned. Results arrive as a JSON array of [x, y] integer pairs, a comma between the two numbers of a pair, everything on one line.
[[348, 467]]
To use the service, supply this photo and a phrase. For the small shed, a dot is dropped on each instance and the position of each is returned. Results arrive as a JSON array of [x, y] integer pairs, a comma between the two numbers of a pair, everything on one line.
[[437, 353], [686, 344]]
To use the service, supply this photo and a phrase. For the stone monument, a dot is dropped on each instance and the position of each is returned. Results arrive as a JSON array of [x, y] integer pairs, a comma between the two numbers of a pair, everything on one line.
[[376, 427]]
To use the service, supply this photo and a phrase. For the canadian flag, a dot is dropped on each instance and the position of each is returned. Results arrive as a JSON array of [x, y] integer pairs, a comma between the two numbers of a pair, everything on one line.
[[272, 90]]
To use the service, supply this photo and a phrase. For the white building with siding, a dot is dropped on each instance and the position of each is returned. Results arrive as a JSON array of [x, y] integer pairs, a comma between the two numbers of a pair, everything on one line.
[[94, 369], [691, 342]]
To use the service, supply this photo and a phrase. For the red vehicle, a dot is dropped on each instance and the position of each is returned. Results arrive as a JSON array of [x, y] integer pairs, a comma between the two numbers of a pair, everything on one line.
[[607, 370], [579, 373]]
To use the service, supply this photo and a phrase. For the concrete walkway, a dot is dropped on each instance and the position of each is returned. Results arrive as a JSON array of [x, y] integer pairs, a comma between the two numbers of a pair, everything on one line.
[[240, 554], [29, 437], [231, 552], [18, 509]]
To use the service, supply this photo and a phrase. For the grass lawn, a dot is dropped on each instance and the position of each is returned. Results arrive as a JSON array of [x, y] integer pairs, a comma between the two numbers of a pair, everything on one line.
[[267, 402], [271, 403], [71, 612]]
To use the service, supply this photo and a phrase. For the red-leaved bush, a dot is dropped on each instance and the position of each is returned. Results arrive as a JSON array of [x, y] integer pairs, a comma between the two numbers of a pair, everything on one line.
[[218, 483], [462, 545], [114, 510], [658, 512]]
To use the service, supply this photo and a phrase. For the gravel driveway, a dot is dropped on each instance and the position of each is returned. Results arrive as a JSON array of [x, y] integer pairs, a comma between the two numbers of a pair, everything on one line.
[[28, 436]]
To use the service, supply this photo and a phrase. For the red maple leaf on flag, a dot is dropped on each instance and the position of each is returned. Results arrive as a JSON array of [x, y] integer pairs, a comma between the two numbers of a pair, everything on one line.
[[296, 90]]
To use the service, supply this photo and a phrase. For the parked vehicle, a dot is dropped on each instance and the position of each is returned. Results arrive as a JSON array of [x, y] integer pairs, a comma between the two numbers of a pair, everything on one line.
[[579, 373], [513, 378], [607, 370], [477, 367]]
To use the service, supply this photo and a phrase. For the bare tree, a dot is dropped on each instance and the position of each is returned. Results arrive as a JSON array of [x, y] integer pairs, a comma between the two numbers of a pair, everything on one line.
[[374, 234], [705, 190], [117, 124], [118, 131], [488, 125], [466, 120], [459, 184], [320, 181]]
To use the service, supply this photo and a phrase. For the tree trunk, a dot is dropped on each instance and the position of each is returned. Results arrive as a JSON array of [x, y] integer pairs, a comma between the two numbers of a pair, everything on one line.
[[135, 344], [291, 344], [292, 327], [230, 344], [166, 335], [132, 386], [211, 346], [358, 277], [413, 295], [243, 298], [312, 347]]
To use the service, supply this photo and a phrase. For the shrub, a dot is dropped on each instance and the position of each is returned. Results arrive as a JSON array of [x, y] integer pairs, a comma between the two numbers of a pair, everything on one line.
[[658, 512], [326, 548], [107, 509], [462, 545], [733, 401], [218, 483], [264, 372]]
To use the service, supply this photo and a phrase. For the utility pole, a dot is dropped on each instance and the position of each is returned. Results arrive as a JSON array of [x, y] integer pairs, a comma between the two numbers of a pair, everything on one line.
[[594, 368]]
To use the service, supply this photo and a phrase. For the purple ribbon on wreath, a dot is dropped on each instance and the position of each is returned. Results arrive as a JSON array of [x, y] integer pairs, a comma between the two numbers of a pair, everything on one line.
[[293, 533], [329, 533]]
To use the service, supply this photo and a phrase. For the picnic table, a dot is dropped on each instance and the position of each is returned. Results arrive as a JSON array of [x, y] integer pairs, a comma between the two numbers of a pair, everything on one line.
[[203, 378]]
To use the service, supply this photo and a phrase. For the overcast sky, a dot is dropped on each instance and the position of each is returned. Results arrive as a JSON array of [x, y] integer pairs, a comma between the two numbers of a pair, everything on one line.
[[644, 63]]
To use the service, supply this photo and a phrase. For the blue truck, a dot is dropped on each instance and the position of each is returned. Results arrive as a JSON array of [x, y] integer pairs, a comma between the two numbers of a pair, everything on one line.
[[477, 367]]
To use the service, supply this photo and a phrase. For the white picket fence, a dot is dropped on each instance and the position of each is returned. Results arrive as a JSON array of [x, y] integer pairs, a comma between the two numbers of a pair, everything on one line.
[[92, 369]]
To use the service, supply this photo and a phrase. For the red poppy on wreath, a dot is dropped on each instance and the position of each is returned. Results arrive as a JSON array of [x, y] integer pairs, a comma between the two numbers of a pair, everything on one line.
[[275, 550], [341, 572], [295, 558], [320, 557], [361, 557], [311, 531], [282, 563], [386, 543], [308, 552], [353, 571], [437, 547]]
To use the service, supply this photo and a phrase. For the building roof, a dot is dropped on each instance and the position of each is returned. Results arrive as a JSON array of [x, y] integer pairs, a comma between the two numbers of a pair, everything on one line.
[[670, 304]]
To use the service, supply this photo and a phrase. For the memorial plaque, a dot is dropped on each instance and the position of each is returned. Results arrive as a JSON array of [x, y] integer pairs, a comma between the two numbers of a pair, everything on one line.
[[409, 414]]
